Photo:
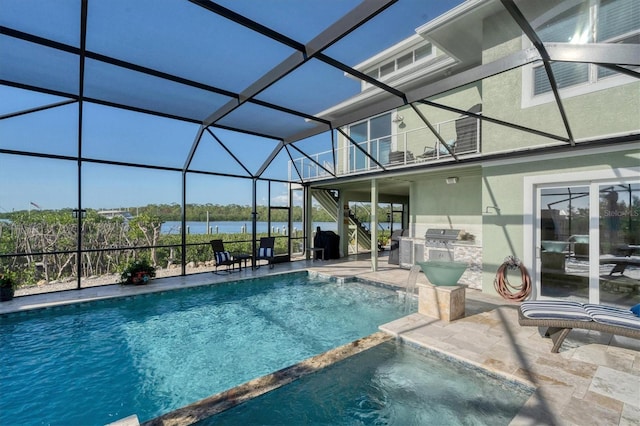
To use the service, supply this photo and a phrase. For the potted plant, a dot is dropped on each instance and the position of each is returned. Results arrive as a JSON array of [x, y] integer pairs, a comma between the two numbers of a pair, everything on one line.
[[383, 240], [138, 271], [8, 285], [467, 237]]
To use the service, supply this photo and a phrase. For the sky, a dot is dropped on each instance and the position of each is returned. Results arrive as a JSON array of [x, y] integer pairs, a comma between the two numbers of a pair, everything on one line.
[[119, 135], [110, 134]]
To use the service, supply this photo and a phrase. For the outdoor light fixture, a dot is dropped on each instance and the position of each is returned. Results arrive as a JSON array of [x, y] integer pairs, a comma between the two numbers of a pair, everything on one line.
[[451, 180], [398, 119], [83, 213]]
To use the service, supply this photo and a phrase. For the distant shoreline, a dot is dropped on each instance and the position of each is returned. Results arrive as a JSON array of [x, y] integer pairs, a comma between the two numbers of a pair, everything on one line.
[[236, 227]]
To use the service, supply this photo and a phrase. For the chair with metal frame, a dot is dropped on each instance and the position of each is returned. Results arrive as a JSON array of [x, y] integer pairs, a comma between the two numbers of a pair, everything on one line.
[[266, 251], [559, 317], [222, 257]]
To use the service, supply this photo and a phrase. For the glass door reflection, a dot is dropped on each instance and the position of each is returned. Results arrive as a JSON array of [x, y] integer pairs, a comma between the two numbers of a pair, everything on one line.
[[619, 250], [563, 245]]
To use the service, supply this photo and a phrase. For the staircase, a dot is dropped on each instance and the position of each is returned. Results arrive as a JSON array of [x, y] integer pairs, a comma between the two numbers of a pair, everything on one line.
[[329, 202]]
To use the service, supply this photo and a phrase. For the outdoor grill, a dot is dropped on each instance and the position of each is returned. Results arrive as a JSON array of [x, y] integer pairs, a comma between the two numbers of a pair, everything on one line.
[[442, 234], [438, 243]]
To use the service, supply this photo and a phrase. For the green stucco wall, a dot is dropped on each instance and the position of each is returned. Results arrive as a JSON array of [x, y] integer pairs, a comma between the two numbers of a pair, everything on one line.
[[435, 204], [591, 110], [502, 187]]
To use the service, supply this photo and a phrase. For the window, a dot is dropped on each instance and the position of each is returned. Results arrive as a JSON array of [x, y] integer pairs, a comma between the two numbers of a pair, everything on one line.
[[405, 60], [399, 62], [422, 52], [373, 74], [387, 69], [374, 137], [617, 18], [566, 74], [605, 21]]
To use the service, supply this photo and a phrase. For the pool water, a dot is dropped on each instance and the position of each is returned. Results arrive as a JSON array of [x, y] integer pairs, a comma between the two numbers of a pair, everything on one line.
[[98, 362], [389, 384]]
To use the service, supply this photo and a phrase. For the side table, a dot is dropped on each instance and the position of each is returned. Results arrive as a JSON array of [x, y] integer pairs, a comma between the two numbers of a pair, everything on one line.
[[243, 257]]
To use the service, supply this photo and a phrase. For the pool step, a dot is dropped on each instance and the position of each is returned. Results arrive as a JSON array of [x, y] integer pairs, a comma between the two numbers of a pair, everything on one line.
[[132, 420]]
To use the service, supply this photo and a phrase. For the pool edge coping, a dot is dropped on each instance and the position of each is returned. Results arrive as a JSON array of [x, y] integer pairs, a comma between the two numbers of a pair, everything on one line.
[[216, 404], [124, 292]]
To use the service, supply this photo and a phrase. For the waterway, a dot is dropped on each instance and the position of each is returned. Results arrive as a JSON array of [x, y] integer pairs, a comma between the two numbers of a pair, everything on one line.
[[239, 227]]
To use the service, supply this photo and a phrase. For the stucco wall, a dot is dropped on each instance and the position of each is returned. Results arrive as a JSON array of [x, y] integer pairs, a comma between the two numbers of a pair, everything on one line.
[[502, 187], [591, 110], [435, 204]]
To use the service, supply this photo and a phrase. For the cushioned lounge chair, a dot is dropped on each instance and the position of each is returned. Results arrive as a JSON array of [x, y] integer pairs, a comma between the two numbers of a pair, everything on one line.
[[266, 251], [560, 317], [222, 257]]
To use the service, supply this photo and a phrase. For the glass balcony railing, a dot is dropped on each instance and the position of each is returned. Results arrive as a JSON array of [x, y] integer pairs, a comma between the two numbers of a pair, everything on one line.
[[411, 147]]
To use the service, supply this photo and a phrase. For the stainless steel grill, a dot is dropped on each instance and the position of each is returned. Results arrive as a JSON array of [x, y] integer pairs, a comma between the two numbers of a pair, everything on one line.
[[442, 234], [438, 243]]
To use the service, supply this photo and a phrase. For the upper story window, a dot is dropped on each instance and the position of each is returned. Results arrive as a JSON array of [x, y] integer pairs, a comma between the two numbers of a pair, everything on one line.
[[401, 61], [600, 21], [373, 128], [373, 136]]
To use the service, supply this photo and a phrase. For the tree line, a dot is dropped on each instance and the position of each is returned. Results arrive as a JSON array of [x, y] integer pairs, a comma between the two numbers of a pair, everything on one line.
[[46, 241], [224, 213], [42, 245], [200, 212]]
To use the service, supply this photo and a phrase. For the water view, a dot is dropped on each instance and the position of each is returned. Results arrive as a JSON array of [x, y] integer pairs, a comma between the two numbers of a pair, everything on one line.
[[238, 227]]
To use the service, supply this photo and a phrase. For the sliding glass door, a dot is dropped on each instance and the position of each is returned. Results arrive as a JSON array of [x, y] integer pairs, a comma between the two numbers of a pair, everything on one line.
[[564, 219], [619, 248], [588, 242]]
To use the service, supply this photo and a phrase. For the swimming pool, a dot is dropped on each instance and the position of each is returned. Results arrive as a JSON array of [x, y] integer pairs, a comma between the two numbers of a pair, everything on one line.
[[94, 363], [390, 384]]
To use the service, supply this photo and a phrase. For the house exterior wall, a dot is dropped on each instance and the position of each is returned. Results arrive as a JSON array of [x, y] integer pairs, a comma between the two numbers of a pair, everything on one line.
[[590, 115], [594, 113], [488, 200], [435, 204], [502, 187]]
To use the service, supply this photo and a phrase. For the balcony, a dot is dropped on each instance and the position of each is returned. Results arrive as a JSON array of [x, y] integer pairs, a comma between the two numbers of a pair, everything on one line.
[[408, 148]]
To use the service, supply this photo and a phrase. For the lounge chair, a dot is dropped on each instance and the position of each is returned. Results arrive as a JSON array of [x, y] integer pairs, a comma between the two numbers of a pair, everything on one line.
[[266, 251], [467, 131], [430, 152], [466, 140], [402, 157], [222, 257], [560, 317]]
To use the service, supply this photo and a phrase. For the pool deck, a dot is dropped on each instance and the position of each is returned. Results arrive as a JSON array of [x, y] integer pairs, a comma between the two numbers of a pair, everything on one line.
[[594, 380]]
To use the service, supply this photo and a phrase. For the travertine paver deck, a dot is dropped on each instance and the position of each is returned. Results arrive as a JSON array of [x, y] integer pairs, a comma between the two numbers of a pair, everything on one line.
[[594, 380]]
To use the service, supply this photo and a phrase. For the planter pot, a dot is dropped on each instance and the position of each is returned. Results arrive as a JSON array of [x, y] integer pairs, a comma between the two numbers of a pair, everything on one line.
[[139, 278], [6, 293]]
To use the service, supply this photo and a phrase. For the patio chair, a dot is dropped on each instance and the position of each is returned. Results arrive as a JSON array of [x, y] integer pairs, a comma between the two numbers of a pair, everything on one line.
[[400, 157], [467, 131], [266, 251], [222, 257], [560, 317], [430, 152]]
